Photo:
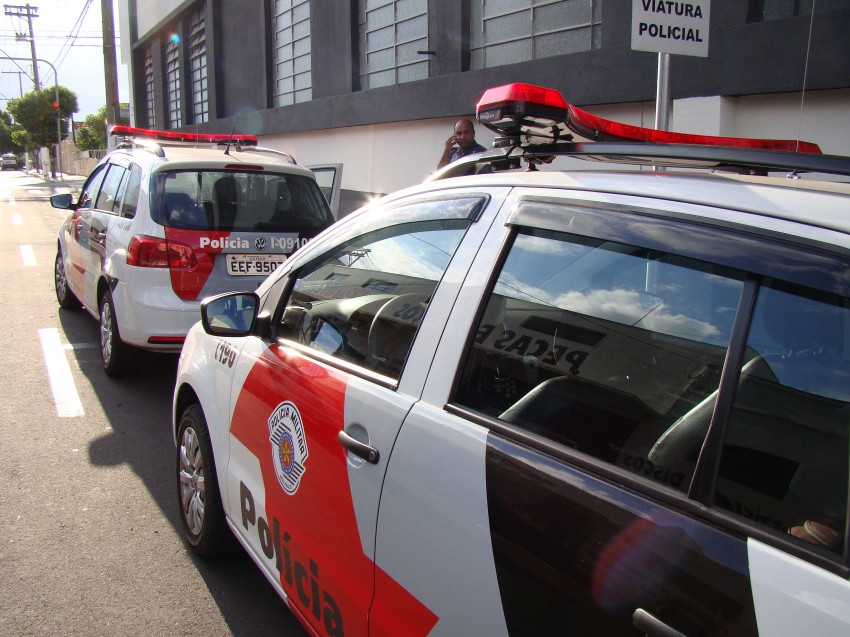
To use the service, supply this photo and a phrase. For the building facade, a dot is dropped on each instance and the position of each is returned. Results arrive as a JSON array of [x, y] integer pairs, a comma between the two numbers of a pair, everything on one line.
[[377, 84]]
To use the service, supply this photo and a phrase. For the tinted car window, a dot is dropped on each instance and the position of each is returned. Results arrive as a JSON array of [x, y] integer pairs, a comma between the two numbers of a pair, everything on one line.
[[785, 454], [129, 194], [234, 201], [107, 199], [363, 301], [91, 187], [600, 346]]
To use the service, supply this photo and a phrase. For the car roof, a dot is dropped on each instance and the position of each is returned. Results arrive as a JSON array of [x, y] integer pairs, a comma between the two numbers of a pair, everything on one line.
[[189, 157], [815, 203]]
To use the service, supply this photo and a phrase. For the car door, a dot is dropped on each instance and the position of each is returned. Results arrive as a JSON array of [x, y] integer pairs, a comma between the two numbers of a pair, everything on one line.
[[585, 486], [329, 178], [94, 228], [76, 240], [315, 413]]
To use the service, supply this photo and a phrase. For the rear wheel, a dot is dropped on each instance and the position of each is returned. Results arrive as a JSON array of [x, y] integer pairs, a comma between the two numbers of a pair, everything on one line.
[[118, 357], [67, 299], [198, 494]]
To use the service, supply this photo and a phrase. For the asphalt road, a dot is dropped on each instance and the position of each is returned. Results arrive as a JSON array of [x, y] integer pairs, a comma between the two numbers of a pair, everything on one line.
[[89, 530]]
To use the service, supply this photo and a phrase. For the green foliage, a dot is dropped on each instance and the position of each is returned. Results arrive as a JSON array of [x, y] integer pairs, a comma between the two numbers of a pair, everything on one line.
[[92, 132], [8, 143], [35, 113]]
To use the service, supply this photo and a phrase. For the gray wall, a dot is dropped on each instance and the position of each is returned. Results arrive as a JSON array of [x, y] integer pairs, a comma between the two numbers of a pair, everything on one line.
[[745, 59]]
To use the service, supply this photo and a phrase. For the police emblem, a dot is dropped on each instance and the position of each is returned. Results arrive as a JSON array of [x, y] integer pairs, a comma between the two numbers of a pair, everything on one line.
[[289, 445]]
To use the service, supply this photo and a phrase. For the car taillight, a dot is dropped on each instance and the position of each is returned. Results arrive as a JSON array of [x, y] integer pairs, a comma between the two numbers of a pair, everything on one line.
[[153, 252]]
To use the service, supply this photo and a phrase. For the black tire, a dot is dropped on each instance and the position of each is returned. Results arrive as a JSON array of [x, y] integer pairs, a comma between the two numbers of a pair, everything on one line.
[[118, 357], [198, 495], [67, 299]]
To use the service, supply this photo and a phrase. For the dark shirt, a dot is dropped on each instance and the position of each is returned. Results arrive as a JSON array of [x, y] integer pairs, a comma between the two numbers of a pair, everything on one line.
[[457, 152]]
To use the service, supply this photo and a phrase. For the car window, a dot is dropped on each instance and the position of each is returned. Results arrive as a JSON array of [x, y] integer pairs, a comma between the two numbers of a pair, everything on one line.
[[107, 199], [600, 346], [91, 187], [363, 301], [129, 194], [784, 462], [234, 201]]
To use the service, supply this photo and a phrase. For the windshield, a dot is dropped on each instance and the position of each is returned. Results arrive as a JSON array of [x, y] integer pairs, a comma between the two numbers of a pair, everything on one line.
[[239, 202]]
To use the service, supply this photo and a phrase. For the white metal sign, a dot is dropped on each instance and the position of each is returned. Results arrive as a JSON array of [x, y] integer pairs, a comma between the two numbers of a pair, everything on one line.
[[665, 26]]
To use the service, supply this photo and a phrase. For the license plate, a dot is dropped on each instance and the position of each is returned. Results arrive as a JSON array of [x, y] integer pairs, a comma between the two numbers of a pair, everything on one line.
[[253, 264]]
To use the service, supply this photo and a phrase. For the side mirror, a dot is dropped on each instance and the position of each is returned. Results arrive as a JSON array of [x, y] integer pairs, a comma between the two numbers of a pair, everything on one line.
[[63, 201], [230, 314]]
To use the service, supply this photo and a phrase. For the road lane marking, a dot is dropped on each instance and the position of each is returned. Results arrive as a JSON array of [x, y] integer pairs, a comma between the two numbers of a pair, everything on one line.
[[65, 395], [28, 255], [17, 219]]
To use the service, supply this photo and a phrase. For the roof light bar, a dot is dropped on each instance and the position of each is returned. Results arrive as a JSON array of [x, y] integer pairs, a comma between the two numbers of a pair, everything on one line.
[[523, 109], [182, 137]]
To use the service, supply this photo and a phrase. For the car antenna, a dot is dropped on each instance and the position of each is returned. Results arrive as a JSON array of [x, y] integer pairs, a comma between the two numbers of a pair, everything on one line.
[[230, 140]]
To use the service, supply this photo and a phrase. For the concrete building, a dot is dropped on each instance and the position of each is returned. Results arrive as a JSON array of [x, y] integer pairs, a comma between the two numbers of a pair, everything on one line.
[[377, 84]]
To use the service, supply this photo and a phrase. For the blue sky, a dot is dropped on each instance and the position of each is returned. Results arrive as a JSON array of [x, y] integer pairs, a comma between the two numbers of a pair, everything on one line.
[[80, 66]]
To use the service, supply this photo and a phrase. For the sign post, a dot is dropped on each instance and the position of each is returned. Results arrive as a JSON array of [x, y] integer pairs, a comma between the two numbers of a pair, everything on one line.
[[666, 27]]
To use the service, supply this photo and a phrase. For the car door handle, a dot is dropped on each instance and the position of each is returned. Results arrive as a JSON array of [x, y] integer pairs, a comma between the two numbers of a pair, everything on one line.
[[359, 449], [649, 624]]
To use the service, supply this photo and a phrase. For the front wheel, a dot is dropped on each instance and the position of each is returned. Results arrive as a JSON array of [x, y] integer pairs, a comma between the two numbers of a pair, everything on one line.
[[198, 495], [118, 357], [66, 297]]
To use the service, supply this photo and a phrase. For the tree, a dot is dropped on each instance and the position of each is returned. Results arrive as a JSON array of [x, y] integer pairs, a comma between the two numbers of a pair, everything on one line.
[[37, 112], [92, 132], [8, 144]]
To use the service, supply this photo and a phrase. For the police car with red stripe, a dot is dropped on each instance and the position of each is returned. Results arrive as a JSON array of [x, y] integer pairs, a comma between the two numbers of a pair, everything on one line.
[[169, 218], [591, 402]]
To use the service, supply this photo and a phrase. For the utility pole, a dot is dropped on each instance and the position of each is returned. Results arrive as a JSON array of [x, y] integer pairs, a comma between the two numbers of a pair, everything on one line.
[[110, 68], [29, 13]]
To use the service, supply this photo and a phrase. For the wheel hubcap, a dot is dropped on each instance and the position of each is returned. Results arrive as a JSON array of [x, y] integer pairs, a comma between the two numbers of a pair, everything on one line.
[[106, 331], [191, 478], [60, 277]]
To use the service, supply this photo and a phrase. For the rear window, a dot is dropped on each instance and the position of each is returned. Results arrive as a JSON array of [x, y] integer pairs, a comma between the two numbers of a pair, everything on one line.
[[238, 202]]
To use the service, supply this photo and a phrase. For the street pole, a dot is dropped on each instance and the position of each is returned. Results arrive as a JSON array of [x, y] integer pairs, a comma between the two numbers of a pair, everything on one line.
[[29, 13], [110, 68]]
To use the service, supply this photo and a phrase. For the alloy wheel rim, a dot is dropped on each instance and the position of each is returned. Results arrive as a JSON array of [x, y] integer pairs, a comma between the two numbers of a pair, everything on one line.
[[191, 481], [60, 277], [106, 332]]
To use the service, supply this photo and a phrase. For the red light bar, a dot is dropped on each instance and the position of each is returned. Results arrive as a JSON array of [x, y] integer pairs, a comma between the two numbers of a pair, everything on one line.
[[524, 109], [599, 129], [508, 108], [182, 137]]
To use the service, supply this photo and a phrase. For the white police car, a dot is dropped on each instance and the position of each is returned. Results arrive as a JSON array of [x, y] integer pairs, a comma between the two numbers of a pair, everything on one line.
[[167, 219], [543, 403]]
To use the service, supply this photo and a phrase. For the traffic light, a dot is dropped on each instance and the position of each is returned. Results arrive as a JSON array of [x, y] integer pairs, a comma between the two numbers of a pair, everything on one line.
[[56, 106]]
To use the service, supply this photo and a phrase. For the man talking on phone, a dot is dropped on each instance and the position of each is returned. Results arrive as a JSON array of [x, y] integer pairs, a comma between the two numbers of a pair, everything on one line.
[[461, 144]]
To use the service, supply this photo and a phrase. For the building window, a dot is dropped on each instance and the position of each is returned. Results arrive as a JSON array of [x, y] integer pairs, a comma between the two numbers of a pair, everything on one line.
[[293, 80], [198, 67], [511, 31], [150, 106], [767, 10], [172, 81], [392, 33]]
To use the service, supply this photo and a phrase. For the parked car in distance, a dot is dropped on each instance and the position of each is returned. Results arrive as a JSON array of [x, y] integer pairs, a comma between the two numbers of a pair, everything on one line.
[[593, 402], [9, 161], [169, 218]]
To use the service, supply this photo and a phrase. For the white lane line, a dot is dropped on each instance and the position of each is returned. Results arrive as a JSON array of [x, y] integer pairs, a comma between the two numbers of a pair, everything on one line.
[[28, 255], [17, 219], [65, 395]]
